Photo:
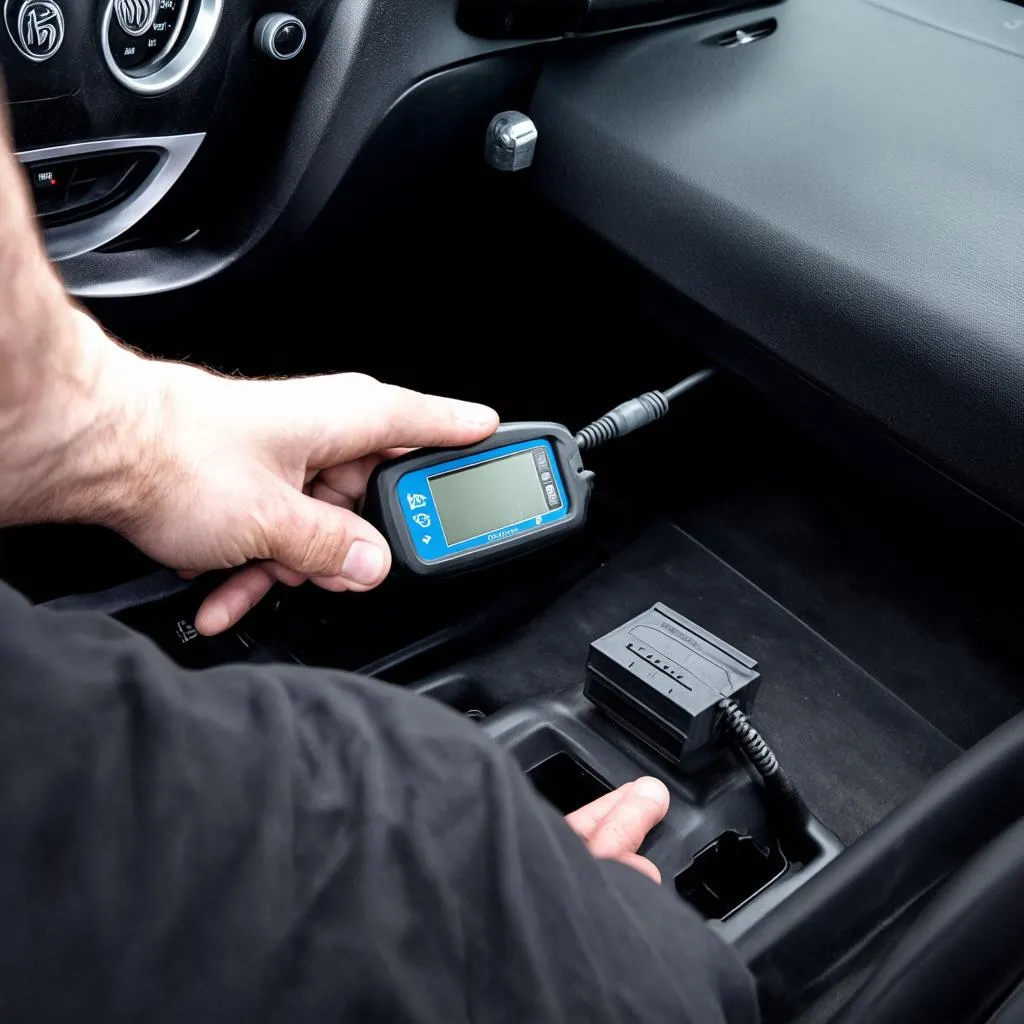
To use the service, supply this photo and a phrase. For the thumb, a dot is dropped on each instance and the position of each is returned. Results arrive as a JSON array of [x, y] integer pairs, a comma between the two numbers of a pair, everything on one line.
[[625, 827], [315, 538]]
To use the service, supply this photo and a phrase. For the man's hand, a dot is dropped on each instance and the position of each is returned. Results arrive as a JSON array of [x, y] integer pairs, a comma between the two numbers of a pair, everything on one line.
[[615, 825], [271, 473], [206, 472], [199, 471]]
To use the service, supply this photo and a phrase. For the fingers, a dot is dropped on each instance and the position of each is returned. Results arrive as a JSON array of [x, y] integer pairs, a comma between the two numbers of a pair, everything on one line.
[[234, 598], [615, 825], [354, 415], [641, 864], [345, 484], [306, 538], [239, 594], [625, 826], [413, 420], [585, 820], [318, 539]]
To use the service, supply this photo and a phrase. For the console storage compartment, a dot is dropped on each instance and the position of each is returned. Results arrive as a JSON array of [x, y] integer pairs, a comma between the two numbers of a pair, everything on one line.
[[565, 783], [729, 872]]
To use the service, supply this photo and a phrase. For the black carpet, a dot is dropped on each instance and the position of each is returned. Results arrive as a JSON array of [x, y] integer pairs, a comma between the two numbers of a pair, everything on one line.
[[855, 749], [933, 614]]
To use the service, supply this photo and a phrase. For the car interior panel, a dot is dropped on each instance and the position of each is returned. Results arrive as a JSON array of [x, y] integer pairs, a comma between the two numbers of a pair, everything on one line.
[[819, 200]]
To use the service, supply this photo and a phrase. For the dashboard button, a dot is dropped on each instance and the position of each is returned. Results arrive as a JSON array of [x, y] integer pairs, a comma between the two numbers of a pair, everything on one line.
[[36, 27], [151, 46], [50, 185], [46, 179], [279, 36], [143, 31], [288, 39], [135, 17]]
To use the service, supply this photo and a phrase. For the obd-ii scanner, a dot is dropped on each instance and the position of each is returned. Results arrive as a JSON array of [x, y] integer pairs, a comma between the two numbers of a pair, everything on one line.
[[447, 510]]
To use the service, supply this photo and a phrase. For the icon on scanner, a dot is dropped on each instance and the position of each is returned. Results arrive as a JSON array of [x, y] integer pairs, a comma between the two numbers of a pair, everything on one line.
[[416, 501], [421, 519], [425, 538]]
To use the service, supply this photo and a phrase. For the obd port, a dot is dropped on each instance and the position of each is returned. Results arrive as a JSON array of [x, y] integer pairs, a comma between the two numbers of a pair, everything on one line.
[[728, 873]]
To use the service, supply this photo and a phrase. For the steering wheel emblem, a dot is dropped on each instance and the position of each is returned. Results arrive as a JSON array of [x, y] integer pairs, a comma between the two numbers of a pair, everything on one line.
[[135, 17], [38, 29]]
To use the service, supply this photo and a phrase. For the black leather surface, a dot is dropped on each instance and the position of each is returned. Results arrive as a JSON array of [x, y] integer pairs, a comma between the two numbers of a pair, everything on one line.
[[847, 191]]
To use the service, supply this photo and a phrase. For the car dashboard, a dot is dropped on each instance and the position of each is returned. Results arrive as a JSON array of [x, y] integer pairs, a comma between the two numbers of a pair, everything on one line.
[[226, 138], [820, 197], [837, 187]]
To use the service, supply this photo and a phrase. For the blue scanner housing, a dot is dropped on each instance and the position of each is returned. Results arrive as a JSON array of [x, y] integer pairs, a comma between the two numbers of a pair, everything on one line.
[[445, 510], [426, 525]]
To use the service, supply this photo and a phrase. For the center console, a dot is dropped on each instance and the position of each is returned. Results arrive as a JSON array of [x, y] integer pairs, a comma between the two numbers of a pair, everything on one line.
[[894, 809], [716, 847]]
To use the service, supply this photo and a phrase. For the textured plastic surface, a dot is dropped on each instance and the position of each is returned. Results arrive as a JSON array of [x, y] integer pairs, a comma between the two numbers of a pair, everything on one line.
[[845, 191], [706, 802], [662, 676], [530, 19]]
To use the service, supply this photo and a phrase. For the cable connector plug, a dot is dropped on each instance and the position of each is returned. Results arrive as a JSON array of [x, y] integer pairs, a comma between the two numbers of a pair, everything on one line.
[[636, 413], [623, 419]]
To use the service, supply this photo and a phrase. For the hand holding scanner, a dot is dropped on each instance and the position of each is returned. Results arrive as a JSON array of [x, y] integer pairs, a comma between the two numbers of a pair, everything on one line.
[[447, 510]]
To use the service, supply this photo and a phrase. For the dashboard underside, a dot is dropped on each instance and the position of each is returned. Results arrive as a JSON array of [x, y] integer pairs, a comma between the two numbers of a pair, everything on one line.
[[845, 191], [835, 182]]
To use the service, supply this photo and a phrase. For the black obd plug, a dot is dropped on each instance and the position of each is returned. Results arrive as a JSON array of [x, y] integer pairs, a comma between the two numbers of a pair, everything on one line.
[[685, 692], [663, 678]]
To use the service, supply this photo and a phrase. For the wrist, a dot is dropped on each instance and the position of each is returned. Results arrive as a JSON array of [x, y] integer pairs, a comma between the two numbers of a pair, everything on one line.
[[81, 442]]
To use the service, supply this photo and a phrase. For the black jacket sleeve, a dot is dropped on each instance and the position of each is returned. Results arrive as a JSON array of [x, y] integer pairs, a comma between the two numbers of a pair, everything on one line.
[[271, 843]]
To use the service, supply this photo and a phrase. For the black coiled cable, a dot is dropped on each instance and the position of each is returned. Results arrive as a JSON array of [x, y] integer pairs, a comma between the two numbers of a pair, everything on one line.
[[788, 812], [753, 744]]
